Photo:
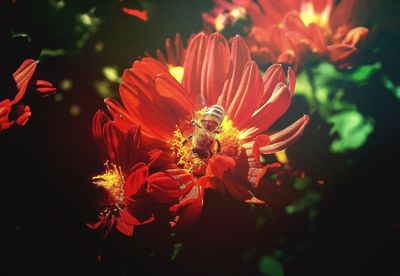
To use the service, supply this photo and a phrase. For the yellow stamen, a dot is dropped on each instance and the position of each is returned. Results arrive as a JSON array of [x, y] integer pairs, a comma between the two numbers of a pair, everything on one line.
[[282, 157], [176, 72], [112, 180], [228, 137]]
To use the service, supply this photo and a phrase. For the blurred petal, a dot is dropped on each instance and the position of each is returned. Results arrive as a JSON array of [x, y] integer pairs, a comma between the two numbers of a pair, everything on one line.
[[139, 14]]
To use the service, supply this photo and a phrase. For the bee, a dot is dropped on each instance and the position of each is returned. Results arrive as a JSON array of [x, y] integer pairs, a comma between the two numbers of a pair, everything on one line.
[[205, 129]]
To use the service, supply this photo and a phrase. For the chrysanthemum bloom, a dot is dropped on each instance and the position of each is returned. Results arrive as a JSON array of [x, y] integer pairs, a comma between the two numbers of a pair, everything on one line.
[[168, 112], [11, 110], [289, 31]]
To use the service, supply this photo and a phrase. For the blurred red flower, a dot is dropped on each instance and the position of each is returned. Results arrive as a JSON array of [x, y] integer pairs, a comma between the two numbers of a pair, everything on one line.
[[11, 110], [166, 112], [292, 31]]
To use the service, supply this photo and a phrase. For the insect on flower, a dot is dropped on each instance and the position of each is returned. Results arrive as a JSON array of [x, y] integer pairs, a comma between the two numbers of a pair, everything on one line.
[[203, 138]]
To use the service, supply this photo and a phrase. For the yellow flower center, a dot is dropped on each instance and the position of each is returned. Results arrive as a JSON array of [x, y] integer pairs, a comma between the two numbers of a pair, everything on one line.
[[308, 14], [181, 145], [112, 180], [176, 72]]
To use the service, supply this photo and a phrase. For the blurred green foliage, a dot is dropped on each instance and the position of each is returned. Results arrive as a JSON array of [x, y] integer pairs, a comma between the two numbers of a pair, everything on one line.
[[270, 266], [324, 88]]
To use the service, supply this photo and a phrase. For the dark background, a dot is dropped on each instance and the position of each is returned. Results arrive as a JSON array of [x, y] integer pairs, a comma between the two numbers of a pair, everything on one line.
[[46, 166]]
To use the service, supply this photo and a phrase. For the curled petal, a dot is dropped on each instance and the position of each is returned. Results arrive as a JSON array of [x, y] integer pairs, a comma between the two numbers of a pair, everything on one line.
[[22, 113], [272, 77], [45, 88], [126, 222], [189, 207], [341, 55], [22, 77], [98, 122], [169, 185], [268, 113], [282, 139], [5, 109], [136, 179], [139, 14], [218, 164], [238, 190], [105, 225], [355, 36]]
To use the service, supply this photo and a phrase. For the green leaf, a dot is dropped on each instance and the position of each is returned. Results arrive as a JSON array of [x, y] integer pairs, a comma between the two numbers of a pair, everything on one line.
[[270, 266], [391, 86], [177, 248], [352, 128], [362, 73], [301, 183], [310, 198]]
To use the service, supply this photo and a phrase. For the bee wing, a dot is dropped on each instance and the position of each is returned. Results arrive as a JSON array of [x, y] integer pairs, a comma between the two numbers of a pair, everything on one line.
[[200, 101]]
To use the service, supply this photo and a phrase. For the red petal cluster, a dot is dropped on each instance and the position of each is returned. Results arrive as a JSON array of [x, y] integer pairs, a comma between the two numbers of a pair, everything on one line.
[[293, 31], [11, 110]]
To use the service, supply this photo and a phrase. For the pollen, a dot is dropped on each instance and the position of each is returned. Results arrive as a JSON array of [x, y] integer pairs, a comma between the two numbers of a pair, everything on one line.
[[229, 139], [181, 146], [112, 180], [184, 155]]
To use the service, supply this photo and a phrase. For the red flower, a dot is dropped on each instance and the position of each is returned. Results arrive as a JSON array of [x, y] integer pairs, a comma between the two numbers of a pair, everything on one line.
[[168, 112], [286, 31], [11, 111]]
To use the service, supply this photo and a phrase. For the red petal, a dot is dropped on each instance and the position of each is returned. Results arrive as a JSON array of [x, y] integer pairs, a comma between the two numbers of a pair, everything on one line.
[[141, 15], [169, 185], [218, 164], [193, 65], [136, 179], [282, 139], [5, 109], [189, 207], [22, 114], [248, 95], [355, 36], [240, 56], [215, 68], [238, 190], [267, 114], [99, 120], [341, 55], [272, 77], [22, 77]]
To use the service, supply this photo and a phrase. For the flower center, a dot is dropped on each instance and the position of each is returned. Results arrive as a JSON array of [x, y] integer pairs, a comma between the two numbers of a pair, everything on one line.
[[112, 180], [225, 142], [308, 14], [176, 72]]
